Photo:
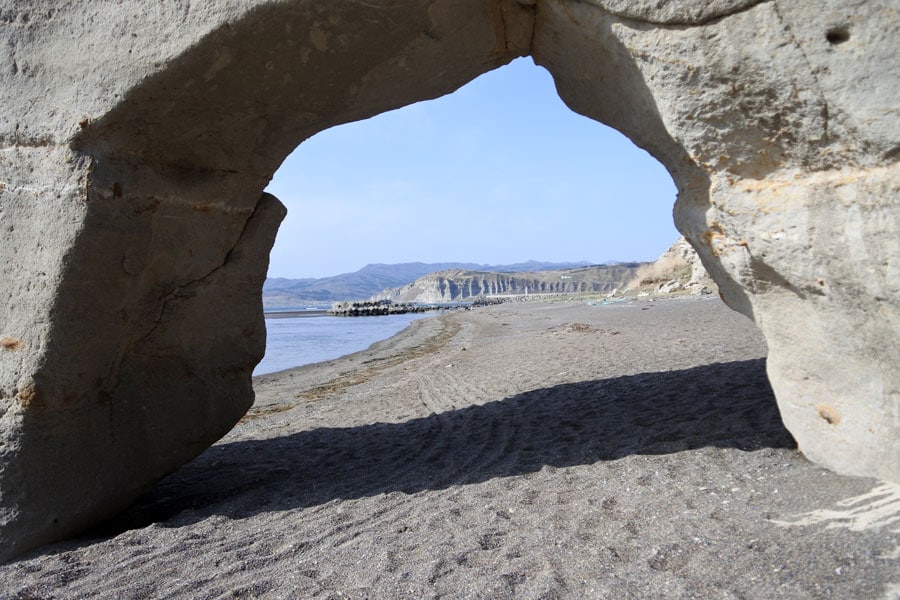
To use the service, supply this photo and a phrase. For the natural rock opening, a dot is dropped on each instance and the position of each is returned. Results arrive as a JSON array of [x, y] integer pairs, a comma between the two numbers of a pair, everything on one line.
[[498, 172], [136, 143]]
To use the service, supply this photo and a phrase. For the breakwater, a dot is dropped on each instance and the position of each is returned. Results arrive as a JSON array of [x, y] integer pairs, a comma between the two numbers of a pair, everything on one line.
[[370, 308]]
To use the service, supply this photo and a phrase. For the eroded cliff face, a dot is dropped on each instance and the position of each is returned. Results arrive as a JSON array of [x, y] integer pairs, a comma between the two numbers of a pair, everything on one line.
[[457, 285], [136, 140]]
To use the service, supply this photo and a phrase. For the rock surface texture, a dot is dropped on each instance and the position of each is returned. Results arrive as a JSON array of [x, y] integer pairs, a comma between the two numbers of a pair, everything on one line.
[[136, 139]]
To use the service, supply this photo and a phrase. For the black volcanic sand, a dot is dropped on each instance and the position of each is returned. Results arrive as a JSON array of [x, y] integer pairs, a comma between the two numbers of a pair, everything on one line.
[[518, 451]]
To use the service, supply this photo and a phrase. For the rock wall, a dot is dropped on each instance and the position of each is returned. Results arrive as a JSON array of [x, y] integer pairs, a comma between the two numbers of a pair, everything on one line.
[[136, 139]]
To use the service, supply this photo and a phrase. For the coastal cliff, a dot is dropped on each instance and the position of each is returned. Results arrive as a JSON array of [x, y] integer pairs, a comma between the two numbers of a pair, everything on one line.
[[457, 285]]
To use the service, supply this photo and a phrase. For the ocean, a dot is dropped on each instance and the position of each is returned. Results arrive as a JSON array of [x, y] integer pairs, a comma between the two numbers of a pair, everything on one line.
[[305, 339]]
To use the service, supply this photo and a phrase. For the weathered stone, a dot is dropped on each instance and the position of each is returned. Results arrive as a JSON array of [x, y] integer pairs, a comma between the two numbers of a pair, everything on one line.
[[136, 139], [679, 269]]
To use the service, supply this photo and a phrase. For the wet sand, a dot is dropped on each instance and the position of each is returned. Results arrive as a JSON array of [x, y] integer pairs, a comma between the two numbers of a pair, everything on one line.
[[515, 451]]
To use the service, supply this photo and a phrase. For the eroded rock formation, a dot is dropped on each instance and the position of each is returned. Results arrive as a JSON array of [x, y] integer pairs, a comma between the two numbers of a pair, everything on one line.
[[457, 285], [136, 138], [677, 270]]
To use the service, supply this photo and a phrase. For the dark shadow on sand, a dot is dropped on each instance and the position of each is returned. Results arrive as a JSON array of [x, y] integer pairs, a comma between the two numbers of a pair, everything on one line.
[[725, 405]]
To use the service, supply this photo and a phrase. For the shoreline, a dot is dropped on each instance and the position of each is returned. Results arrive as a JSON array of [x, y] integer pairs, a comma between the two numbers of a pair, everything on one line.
[[515, 451], [416, 318], [293, 314]]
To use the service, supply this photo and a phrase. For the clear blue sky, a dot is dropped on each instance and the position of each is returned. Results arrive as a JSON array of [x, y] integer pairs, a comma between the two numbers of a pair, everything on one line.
[[499, 172]]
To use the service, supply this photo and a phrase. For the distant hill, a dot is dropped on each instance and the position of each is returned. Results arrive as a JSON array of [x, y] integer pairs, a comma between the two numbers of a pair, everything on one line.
[[280, 292], [457, 285]]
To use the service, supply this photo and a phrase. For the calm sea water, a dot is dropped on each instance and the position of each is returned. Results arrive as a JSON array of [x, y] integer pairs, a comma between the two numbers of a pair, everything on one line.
[[291, 342]]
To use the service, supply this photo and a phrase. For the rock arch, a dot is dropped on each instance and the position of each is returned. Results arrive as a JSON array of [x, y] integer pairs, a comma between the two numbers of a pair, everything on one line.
[[136, 143]]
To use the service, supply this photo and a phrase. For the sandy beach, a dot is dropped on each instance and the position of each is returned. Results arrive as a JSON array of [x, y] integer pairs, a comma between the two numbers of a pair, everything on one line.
[[526, 450]]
